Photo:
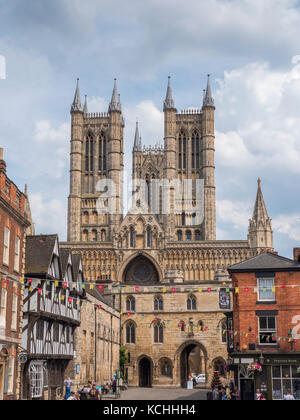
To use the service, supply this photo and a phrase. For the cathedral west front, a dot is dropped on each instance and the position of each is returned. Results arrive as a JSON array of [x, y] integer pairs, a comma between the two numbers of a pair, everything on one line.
[[162, 270]]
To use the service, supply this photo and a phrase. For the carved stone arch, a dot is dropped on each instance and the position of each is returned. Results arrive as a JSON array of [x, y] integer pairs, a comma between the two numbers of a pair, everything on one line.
[[145, 260]]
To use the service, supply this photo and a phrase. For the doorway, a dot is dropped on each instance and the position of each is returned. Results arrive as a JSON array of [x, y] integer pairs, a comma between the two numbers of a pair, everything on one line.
[[145, 373], [192, 361], [247, 389]]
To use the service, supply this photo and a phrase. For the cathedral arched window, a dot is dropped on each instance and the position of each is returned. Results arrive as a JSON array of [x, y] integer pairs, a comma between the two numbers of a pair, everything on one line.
[[102, 152], [198, 235], [195, 150], [200, 326], [85, 235], [179, 235], [149, 238], [132, 238], [95, 218], [158, 303], [89, 153], [130, 304], [188, 235], [182, 148], [103, 235], [130, 333], [158, 333], [183, 219], [85, 218], [94, 235], [191, 303]]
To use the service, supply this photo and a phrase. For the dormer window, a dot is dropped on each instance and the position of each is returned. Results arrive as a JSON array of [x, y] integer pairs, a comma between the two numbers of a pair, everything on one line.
[[54, 268]]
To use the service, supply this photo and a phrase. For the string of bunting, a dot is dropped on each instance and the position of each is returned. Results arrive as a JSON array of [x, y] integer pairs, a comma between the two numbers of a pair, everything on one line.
[[159, 289], [200, 328]]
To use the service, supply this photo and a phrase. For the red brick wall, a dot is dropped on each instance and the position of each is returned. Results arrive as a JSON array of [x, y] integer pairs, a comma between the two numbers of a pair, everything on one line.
[[287, 303], [12, 203]]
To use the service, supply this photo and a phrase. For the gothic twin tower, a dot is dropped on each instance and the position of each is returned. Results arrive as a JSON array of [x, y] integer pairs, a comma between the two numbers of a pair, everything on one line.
[[97, 153]]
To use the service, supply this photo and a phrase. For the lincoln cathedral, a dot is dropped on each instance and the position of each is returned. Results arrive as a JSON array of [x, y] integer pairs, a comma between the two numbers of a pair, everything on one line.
[[157, 267]]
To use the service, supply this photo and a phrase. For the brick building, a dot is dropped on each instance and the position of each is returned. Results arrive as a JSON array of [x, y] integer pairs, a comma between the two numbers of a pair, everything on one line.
[[13, 223], [266, 322]]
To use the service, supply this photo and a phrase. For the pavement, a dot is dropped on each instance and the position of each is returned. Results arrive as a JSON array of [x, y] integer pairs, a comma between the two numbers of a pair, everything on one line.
[[160, 394]]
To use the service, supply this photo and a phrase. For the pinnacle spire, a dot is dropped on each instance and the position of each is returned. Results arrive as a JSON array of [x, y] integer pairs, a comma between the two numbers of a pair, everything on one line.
[[169, 102], [137, 140], [260, 233], [208, 99], [115, 103], [85, 108], [76, 106], [260, 210]]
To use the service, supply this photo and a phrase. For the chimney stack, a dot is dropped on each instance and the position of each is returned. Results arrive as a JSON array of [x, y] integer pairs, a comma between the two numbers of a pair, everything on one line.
[[2, 162]]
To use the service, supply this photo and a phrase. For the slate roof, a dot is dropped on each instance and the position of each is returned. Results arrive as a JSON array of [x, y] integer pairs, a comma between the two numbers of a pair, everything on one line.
[[76, 262], [264, 262], [39, 251], [64, 258], [98, 295]]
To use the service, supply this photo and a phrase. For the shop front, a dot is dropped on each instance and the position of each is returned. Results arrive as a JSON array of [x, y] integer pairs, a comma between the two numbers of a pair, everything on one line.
[[276, 376]]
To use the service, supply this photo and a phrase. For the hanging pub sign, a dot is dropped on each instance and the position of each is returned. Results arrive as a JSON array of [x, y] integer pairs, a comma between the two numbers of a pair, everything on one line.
[[224, 299]]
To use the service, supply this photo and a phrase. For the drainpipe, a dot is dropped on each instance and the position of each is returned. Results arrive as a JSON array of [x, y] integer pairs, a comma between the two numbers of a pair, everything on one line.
[[95, 344]]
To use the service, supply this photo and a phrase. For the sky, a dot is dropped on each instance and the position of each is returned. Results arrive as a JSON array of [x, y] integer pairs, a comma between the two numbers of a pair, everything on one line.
[[250, 47]]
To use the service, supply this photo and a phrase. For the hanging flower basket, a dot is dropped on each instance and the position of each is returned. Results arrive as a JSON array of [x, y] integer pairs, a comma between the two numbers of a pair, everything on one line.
[[254, 367]]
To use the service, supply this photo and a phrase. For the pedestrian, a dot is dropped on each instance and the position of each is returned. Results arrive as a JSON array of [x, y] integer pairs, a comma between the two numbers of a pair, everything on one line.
[[72, 397], [215, 394], [236, 395], [288, 395], [68, 383], [114, 385], [258, 395], [228, 394], [224, 396], [94, 394]]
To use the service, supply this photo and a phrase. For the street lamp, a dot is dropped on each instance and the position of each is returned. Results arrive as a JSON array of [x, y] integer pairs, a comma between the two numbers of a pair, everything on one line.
[[261, 359]]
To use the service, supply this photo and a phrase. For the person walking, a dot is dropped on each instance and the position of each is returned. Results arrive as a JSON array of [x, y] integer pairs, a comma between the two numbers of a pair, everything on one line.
[[236, 395], [68, 383], [215, 394]]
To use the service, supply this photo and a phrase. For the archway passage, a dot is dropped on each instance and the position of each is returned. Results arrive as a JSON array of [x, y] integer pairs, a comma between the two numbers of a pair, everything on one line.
[[141, 271], [145, 373], [192, 361]]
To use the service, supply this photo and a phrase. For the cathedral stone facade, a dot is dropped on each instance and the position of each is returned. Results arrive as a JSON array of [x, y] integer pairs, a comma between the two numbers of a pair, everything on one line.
[[162, 270]]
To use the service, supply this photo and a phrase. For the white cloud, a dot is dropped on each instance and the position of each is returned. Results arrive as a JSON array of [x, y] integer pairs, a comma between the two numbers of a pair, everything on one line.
[[49, 215], [235, 213], [288, 225], [264, 131], [45, 133]]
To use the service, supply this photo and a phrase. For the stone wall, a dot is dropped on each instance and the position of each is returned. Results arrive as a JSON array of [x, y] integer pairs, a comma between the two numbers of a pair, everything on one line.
[[102, 366]]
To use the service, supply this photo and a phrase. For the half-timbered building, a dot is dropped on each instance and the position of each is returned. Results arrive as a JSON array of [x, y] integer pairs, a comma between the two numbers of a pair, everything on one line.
[[52, 307]]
